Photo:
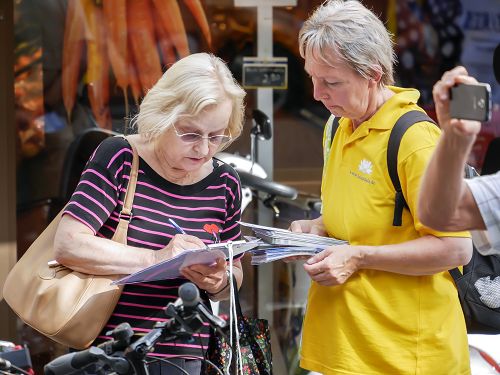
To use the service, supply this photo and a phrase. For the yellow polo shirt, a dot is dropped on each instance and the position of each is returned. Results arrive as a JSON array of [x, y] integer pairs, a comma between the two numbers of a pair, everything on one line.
[[381, 322]]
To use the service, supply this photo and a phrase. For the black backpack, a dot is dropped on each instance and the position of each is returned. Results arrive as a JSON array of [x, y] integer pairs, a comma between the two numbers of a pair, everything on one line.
[[481, 310]]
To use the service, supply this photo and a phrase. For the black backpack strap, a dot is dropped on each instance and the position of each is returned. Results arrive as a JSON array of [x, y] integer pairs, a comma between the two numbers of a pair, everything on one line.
[[333, 130], [397, 132], [456, 274]]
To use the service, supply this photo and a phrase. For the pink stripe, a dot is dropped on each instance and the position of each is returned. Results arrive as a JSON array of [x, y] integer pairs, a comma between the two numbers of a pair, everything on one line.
[[92, 199], [164, 224], [93, 171], [141, 306], [142, 230], [139, 329], [232, 217], [127, 177], [196, 335], [235, 181], [81, 221], [106, 338], [224, 186], [215, 187], [179, 196], [136, 329], [118, 154], [153, 244], [86, 182], [102, 337], [231, 178], [230, 228], [181, 345], [109, 227], [93, 154], [172, 356], [114, 215], [141, 317], [165, 296], [136, 240], [204, 219], [208, 208], [235, 237], [86, 210], [230, 192], [157, 286], [120, 169]]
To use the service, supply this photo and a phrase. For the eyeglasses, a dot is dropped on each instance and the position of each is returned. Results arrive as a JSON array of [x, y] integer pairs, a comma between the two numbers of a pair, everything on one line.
[[215, 140]]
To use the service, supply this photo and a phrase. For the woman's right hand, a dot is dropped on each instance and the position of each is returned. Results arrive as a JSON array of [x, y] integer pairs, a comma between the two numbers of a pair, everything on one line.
[[309, 226], [178, 244], [441, 95], [306, 226]]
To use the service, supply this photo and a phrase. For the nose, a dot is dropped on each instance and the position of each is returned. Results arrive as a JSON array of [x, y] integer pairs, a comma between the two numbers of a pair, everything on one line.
[[202, 146], [319, 91]]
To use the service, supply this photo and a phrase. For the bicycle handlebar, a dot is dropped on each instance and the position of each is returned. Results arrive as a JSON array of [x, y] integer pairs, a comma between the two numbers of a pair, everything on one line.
[[266, 186], [123, 357], [75, 362]]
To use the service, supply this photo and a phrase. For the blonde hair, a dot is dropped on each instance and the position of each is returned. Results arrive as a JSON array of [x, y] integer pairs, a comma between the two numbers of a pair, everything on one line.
[[355, 33], [187, 88]]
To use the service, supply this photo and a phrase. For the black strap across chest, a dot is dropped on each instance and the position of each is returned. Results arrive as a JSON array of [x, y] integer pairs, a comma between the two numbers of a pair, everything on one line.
[[400, 127]]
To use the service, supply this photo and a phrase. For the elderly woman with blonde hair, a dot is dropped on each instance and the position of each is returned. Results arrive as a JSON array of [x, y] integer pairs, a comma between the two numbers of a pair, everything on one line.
[[194, 110], [385, 303]]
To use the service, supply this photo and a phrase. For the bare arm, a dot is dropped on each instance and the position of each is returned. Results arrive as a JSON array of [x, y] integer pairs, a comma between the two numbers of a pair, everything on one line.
[[77, 248], [423, 256], [445, 201]]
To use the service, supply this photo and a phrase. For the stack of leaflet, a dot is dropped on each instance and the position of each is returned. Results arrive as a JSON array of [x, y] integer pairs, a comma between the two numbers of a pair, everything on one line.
[[273, 252], [282, 243], [171, 268]]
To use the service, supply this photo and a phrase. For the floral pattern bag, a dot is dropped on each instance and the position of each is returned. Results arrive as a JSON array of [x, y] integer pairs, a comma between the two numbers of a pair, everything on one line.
[[255, 347]]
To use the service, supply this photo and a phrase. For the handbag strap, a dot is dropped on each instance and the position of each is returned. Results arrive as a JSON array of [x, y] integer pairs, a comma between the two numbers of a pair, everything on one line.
[[126, 213], [237, 298]]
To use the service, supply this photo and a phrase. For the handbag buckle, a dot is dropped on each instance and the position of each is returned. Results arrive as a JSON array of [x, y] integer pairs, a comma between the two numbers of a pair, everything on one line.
[[125, 216]]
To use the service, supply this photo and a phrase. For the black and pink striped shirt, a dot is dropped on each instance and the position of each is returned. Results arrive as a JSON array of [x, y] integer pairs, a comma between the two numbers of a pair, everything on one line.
[[98, 199]]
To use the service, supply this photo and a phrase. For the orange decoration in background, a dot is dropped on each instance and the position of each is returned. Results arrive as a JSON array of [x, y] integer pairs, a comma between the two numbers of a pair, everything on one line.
[[131, 38]]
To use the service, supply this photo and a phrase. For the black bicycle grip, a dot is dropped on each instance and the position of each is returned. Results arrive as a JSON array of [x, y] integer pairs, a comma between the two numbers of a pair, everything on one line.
[[73, 362]]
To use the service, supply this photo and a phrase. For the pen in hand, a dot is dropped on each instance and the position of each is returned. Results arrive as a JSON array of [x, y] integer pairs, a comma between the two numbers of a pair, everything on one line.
[[179, 229], [176, 226]]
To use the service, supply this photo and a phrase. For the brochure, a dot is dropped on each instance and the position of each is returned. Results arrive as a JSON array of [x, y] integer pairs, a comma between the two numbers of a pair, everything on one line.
[[281, 243], [170, 268], [277, 236]]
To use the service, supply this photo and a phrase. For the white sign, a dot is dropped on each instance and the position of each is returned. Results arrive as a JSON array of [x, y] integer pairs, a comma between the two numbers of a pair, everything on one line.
[[265, 73]]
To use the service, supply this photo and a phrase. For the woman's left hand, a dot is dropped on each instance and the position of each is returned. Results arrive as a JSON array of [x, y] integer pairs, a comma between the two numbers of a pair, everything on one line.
[[210, 278], [334, 265]]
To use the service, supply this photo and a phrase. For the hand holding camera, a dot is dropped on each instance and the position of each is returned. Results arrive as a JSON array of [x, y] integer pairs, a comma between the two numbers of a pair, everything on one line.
[[462, 103]]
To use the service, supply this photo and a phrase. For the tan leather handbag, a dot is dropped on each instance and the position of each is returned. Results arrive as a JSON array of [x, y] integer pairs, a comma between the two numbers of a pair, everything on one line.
[[67, 306]]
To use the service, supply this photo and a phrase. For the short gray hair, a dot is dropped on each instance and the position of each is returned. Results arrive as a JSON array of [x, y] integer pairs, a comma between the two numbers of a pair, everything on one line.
[[185, 89], [355, 33]]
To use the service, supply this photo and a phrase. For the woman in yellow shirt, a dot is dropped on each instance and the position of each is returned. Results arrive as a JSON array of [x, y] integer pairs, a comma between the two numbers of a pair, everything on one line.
[[385, 304]]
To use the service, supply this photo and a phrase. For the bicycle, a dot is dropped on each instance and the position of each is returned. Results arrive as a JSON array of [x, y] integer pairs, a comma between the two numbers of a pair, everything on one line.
[[123, 357], [15, 359]]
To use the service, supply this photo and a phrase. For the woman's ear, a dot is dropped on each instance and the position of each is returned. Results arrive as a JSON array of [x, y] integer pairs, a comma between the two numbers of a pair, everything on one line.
[[376, 74]]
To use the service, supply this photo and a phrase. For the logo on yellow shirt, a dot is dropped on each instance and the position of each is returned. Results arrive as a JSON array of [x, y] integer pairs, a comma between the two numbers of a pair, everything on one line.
[[365, 166]]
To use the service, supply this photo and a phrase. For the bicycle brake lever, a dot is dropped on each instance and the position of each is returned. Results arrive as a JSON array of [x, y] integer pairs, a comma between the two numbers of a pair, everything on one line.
[[119, 365]]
